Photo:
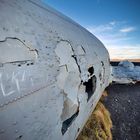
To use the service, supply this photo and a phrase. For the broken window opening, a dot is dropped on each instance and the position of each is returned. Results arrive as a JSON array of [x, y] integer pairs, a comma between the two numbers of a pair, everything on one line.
[[67, 123], [91, 70], [90, 86]]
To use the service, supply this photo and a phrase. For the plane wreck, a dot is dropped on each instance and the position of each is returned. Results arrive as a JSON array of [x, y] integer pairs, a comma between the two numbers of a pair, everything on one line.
[[52, 72]]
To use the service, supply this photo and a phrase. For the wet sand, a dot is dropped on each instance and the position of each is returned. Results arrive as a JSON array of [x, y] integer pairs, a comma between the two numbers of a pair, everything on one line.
[[123, 102]]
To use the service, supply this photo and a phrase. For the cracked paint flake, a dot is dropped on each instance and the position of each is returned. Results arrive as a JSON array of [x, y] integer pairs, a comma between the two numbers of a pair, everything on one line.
[[68, 109], [73, 70], [69, 79], [53, 84], [82, 62], [14, 50]]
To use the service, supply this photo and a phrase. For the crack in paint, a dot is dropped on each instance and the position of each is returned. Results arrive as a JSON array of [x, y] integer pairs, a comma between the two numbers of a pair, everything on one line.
[[74, 56], [16, 59], [6, 38]]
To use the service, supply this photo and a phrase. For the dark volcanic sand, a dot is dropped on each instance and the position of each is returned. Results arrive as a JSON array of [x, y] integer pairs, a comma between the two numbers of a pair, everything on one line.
[[123, 102]]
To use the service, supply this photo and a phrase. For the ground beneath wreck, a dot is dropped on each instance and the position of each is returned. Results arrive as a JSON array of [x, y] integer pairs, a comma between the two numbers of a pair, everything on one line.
[[123, 103]]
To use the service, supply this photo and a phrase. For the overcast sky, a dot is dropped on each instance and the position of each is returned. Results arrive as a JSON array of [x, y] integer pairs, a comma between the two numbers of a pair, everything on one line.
[[115, 22]]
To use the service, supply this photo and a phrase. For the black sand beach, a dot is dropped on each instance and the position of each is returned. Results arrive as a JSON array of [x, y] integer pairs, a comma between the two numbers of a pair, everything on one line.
[[123, 102]]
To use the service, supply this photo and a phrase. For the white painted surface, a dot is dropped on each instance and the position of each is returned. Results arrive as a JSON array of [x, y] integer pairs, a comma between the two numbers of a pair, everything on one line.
[[41, 90]]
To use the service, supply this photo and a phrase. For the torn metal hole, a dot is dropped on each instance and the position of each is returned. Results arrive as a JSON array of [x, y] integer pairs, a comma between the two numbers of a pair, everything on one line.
[[67, 123], [91, 70], [90, 86], [19, 137], [32, 63], [102, 63], [78, 129]]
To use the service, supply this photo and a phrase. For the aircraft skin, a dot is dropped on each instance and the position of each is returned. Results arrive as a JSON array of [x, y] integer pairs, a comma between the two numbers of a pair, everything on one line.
[[52, 72]]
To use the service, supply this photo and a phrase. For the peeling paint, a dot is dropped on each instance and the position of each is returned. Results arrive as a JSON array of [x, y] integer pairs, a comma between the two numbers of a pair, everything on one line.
[[14, 50], [69, 108], [73, 72], [69, 81], [48, 65]]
